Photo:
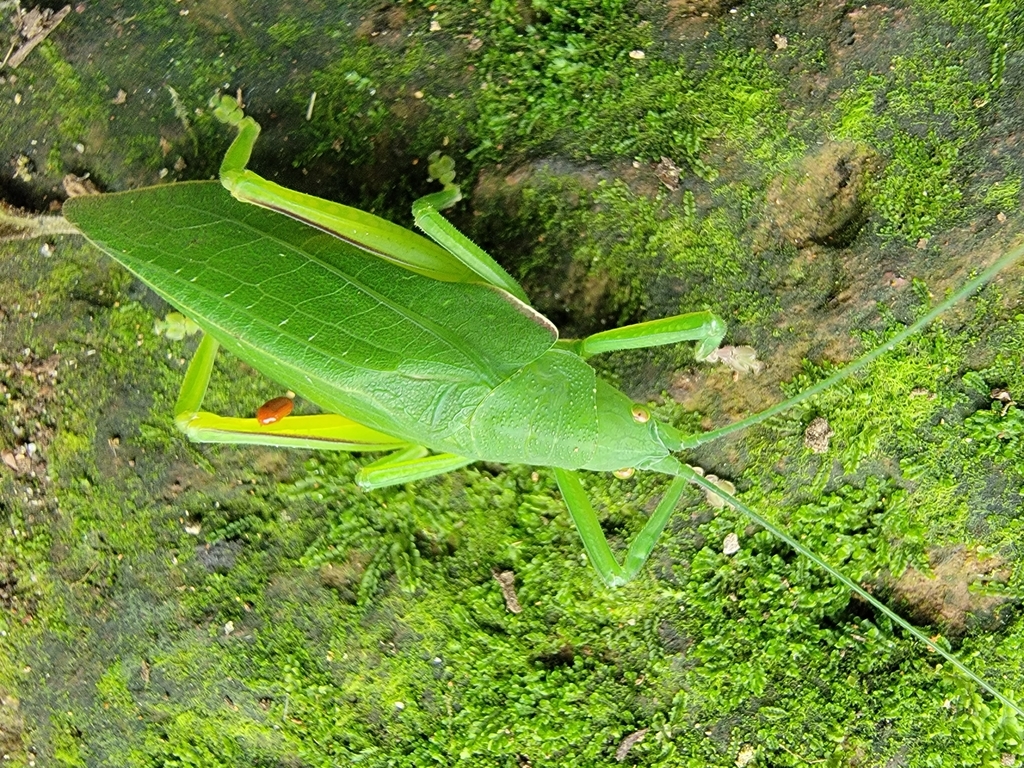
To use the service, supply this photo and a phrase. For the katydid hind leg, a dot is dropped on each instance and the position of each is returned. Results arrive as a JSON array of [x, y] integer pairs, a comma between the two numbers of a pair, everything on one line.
[[458, 259], [426, 213], [236, 159], [365, 231]]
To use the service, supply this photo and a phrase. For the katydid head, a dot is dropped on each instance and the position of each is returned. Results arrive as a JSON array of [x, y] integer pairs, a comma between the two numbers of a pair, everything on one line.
[[628, 437]]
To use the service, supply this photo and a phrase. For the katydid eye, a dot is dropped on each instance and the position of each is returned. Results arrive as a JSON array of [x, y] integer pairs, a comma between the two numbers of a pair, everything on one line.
[[640, 414], [274, 410]]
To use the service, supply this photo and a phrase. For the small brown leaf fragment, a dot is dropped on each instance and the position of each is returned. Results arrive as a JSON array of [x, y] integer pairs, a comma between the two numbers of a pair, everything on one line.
[[9, 460], [628, 742], [507, 581], [668, 173], [1004, 397], [817, 435], [79, 186]]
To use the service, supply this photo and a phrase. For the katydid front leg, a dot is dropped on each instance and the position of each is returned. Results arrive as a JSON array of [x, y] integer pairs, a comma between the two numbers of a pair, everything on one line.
[[465, 263], [706, 328], [594, 541]]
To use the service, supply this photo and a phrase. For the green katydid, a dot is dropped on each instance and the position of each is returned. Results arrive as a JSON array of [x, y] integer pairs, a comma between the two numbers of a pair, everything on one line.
[[426, 349]]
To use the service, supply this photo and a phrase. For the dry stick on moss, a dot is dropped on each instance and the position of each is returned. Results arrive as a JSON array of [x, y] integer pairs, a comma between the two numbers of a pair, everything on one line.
[[30, 30]]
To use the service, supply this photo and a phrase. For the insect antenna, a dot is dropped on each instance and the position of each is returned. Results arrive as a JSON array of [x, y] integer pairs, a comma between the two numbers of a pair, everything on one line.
[[972, 285], [846, 581]]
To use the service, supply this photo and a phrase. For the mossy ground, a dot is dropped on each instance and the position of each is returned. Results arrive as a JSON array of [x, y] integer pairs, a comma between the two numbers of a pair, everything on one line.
[[166, 604]]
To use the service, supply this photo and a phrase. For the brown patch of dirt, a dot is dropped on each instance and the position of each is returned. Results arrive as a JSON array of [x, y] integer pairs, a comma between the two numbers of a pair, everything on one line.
[[27, 393], [28, 387], [945, 598], [8, 587], [691, 19], [383, 25], [344, 578], [11, 728], [869, 34], [821, 198], [576, 298]]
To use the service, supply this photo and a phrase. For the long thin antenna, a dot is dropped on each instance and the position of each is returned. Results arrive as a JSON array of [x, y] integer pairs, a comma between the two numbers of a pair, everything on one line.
[[692, 441], [849, 583]]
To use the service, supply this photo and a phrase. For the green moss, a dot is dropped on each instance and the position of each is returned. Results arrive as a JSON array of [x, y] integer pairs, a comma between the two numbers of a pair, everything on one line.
[[206, 740], [78, 108], [933, 110], [287, 31], [999, 21], [582, 87], [112, 689], [1003, 195]]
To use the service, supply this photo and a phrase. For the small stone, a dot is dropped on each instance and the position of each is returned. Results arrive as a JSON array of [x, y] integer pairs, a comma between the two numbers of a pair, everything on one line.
[[731, 545]]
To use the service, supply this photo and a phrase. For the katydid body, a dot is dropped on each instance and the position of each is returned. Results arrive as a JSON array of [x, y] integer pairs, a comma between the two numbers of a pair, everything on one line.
[[427, 350]]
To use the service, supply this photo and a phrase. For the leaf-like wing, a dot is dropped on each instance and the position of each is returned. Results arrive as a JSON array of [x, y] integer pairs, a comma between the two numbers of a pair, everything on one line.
[[394, 350]]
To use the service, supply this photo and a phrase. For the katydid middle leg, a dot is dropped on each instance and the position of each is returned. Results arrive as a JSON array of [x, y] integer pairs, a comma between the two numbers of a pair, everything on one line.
[[407, 466]]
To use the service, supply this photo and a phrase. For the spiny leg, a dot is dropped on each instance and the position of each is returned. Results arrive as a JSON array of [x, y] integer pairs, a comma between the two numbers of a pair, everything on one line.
[[323, 432]]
